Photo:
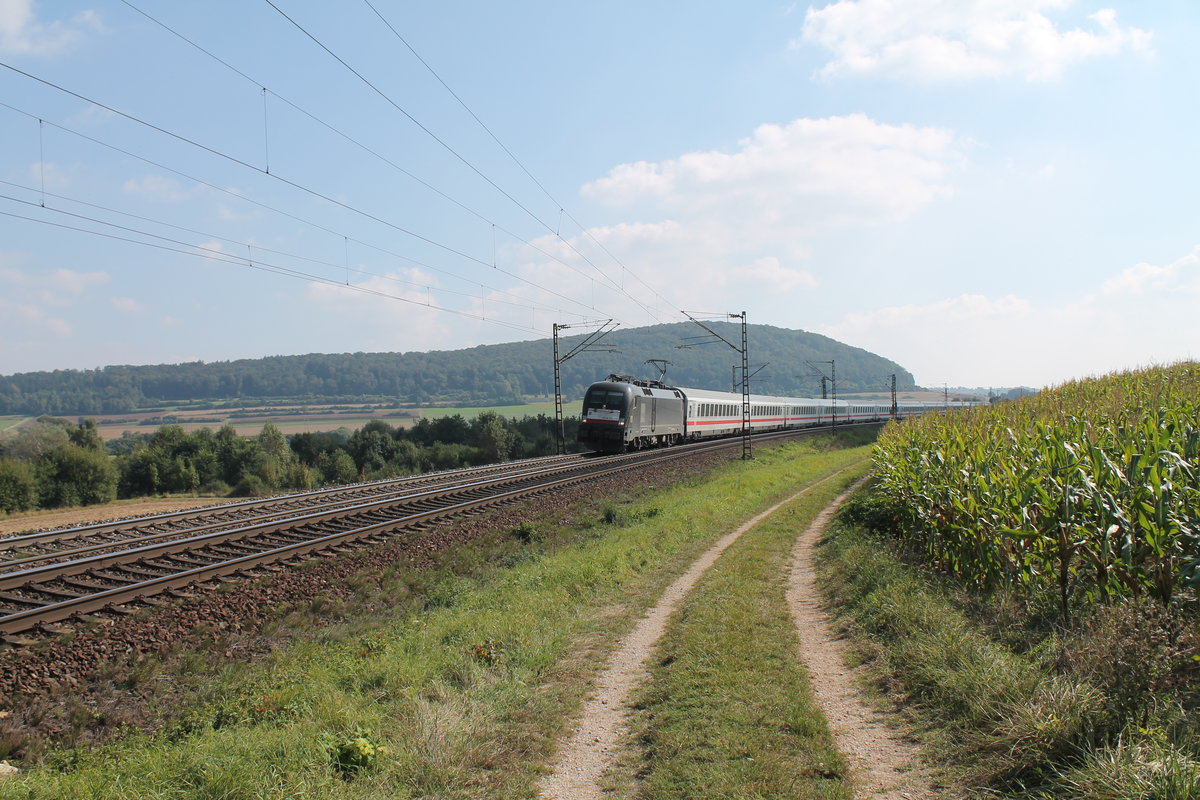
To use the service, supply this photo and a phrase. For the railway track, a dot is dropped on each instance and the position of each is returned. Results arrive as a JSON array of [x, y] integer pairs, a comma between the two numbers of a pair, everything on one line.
[[112, 568]]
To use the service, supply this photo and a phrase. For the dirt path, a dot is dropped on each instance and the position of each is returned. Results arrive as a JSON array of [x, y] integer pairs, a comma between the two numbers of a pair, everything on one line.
[[883, 764], [591, 749]]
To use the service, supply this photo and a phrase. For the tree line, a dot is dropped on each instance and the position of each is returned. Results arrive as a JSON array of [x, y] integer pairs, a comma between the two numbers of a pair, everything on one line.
[[488, 374], [55, 462]]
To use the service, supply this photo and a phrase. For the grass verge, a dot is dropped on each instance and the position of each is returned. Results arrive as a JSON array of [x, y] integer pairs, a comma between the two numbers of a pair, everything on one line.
[[463, 698], [728, 711], [1004, 723]]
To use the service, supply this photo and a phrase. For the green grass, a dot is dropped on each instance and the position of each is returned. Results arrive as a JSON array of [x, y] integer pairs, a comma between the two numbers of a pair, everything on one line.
[[466, 697], [1003, 722], [11, 421], [728, 712]]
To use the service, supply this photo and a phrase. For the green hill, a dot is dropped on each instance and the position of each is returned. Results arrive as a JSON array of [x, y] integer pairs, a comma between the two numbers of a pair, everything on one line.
[[501, 373]]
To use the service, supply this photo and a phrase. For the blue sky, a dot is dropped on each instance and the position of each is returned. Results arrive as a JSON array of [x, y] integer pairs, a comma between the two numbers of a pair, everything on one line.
[[998, 192]]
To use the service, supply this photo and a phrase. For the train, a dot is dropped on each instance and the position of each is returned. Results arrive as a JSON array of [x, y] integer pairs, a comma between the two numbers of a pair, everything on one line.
[[623, 413]]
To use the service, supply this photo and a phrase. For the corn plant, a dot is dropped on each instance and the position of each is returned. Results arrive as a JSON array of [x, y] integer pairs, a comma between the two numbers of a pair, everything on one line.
[[1090, 489]]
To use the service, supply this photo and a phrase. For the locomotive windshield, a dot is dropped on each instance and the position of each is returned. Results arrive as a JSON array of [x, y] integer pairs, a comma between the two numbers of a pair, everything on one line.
[[605, 399]]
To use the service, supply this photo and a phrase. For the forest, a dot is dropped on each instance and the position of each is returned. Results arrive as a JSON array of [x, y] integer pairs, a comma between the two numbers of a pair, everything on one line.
[[54, 462], [487, 374]]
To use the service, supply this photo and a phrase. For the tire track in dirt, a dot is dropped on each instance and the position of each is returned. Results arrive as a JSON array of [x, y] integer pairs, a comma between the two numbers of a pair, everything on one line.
[[592, 748], [883, 764]]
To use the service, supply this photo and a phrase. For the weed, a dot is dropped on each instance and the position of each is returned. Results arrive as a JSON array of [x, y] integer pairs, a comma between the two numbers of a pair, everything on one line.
[[528, 533], [355, 755]]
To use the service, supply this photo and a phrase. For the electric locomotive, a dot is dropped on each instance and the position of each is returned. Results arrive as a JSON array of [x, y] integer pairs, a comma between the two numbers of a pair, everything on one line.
[[623, 413]]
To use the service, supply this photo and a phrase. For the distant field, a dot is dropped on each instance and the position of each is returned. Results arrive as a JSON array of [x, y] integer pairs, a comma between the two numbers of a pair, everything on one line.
[[8, 422], [291, 419], [527, 410]]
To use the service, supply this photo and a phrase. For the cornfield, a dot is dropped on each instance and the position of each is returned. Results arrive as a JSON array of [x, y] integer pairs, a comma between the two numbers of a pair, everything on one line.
[[1090, 490]]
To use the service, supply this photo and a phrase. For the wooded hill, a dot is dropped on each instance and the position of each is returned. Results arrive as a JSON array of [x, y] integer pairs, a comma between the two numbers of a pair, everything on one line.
[[488, 374]]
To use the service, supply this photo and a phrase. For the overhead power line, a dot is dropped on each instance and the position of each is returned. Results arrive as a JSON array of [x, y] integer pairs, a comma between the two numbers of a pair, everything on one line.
[[186, 248], [586, 232], [365, 148], [616, 285], [459, 156], [261, 171], [524, 303]]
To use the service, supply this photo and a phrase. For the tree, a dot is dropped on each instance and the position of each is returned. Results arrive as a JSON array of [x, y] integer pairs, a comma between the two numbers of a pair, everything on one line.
[[139, 474], [273, 443], [69, 476], [338, 467], [493, 437], [31, 443], [18, 486], [86, 436]]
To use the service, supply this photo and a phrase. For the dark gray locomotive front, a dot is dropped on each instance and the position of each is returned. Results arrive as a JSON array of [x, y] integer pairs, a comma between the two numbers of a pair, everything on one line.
[[623, 414]]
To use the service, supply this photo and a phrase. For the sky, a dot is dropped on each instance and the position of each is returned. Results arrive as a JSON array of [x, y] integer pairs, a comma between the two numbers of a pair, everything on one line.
[[990, 193]]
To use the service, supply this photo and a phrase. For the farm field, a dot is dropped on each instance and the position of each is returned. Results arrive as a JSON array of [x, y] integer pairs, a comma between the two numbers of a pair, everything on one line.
[[293, 419]]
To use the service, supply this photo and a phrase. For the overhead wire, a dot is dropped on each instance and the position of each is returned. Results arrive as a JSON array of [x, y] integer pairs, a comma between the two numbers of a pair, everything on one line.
[[457, 155], [496, 226], [260, 171], [526, 304], [230, 258], [586, 231]]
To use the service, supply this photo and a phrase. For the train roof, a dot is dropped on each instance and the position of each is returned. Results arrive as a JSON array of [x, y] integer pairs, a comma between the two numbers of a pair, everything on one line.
[[709, 396]]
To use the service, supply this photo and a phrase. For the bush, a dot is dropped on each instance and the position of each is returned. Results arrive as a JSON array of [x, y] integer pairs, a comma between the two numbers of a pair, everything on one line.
[[72, 476], [18, 486], [250, 486]]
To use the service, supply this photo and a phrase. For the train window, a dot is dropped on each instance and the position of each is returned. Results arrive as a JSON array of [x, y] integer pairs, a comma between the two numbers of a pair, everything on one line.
[[601, 398]]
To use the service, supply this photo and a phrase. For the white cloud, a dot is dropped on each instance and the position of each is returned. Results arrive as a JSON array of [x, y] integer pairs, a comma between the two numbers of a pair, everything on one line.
[[1142, 316], [809, 173], [22, 34], [772, 276], [127, 304], [712, 229], [946, 40], [1143, 277], [27, 298], [393, 313], [156, 187], [33, 319], [75, 283], [48, 174]]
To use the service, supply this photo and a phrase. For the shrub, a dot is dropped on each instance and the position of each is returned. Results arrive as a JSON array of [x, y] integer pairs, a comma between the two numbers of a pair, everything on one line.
[[18, 486], [70, 476]]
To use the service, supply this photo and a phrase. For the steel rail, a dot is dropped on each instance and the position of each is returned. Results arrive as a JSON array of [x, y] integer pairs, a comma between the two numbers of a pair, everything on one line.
[[283, 516], [15, 579], [287, 503], [540, 481], [100, 600]]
